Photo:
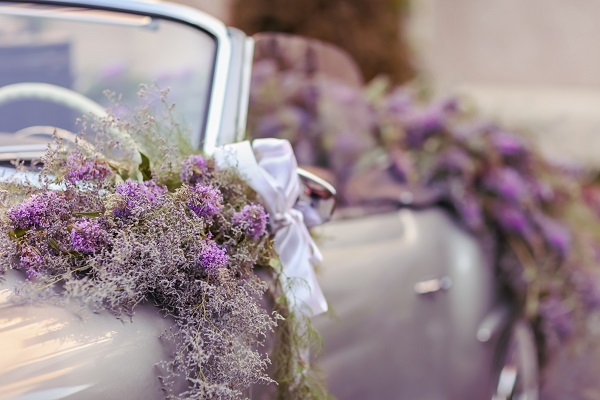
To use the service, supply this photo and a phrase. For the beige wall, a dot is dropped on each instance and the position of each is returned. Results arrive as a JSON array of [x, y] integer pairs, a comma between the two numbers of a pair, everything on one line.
[[512, 41], [216, 8], [531, 64]]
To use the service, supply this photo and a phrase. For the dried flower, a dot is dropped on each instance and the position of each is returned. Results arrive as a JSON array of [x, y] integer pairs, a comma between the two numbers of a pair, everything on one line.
[[31, 260], [252, 220], [512, 219], [194, 170], [507, 183], [39, 211], [506, 143], [556, 234], [212, 257], [88, 236], [139, 196], [557, 317], [205, 201], [81, 169]]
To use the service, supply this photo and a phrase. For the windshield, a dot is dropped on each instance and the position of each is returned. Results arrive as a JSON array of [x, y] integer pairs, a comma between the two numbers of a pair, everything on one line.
[[89, 52]]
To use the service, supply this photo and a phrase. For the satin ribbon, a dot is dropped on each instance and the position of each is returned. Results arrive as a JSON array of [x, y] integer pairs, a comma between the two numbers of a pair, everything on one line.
[[269, 166]]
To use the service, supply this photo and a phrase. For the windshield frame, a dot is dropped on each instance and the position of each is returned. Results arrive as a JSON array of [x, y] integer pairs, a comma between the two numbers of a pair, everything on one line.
[[188, 16]]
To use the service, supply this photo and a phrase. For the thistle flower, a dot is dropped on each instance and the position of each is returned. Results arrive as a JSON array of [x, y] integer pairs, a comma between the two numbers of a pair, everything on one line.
[[38, 211], [84, 169], [252, 220], [205, 201], [194, 170], [88, 236], [212, 257]]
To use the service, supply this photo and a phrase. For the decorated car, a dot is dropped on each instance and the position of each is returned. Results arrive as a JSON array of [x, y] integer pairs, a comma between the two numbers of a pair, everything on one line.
[[147, 251]]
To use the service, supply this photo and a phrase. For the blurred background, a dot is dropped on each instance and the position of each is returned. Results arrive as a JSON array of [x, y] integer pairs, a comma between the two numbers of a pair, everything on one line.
[[532, 65]]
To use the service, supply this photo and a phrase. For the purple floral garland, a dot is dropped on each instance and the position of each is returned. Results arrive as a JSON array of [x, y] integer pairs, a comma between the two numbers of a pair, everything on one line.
[[495, 182]]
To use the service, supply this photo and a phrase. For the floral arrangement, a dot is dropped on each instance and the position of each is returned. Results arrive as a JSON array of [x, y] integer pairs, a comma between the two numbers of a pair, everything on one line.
[[175, 230], [497, 185]]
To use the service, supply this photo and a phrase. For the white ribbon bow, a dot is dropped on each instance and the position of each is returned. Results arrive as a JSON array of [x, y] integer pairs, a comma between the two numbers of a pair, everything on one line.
[[269, 166]]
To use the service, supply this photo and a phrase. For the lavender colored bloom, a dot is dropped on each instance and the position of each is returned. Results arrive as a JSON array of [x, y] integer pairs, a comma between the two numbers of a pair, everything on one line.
[[88, 236], [512, 219], [556, 234], [212, 257], [587, 287], [557, 317], [83, 169], [39, 211], [205, 201], [194, 170], [31, 260], [456, 160], [252, 220], [138, 196], [398, 101], [421, 124], [507, 183], [507, 143], [470, 211], [543, 191]]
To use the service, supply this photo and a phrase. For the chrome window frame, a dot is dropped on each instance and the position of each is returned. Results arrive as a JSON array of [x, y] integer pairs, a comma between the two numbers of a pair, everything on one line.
[[195, 18]]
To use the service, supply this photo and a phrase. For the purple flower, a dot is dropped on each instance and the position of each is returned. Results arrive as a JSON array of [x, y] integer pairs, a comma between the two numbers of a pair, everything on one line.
[[507, 183], [470, 211], [456, 160], [557, 318], [138, 196], [421, 124], [205, 201], [83, 169], [31, 260], [512, 219], [194, 170], [556, 234], [588, 289], [88, 236], [252, 220], [212, 257], [398, 101], [39, 211], [507, 143]]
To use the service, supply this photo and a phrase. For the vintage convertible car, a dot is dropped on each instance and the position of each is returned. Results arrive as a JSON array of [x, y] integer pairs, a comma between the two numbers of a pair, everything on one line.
[[58, 60], [435, 325]]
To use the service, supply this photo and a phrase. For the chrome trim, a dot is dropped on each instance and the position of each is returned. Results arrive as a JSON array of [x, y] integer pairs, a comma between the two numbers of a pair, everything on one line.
[[189, 16], [234, 116], [245, 88], [433, 285]]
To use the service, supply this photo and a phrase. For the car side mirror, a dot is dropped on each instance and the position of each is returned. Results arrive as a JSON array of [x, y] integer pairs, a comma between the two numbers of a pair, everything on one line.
[[318, 199]]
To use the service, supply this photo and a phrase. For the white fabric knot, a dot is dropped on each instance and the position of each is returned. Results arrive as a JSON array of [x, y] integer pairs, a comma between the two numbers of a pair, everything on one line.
[[270, 168]]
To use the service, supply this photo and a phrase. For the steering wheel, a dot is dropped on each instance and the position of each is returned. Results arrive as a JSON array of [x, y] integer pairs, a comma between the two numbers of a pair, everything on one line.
[[66, 97]]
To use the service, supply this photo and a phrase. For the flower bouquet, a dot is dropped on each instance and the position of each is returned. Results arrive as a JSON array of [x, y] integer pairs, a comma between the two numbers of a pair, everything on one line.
[[94, 230]]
